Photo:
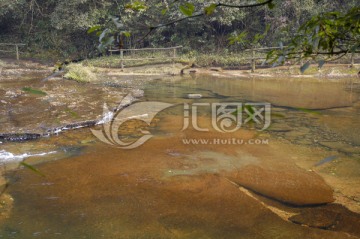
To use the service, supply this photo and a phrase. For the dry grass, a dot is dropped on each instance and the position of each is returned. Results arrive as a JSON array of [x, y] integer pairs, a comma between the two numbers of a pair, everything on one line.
[[80, 73]]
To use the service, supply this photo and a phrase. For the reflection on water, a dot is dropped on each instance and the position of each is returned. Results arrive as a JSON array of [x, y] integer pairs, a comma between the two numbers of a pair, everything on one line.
[[168, 189], [295, 93]]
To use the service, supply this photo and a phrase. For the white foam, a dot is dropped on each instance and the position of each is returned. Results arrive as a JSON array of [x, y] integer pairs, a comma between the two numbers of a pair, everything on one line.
[[107, 117], [10, 157]]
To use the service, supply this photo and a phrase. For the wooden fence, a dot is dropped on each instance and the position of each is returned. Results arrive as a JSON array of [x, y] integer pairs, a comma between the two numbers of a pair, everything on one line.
[[173, 56], [15, 49], [253, 57]]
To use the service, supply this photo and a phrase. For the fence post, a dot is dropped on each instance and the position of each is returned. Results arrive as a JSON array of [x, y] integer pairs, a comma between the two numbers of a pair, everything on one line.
[[174, 56], [352, 60], [17, 52], [301, 60], [122, 59], [253, 61]]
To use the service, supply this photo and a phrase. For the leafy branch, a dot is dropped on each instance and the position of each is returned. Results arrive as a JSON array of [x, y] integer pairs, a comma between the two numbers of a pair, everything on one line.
[[106, 37], [331, 35], [189, 8]]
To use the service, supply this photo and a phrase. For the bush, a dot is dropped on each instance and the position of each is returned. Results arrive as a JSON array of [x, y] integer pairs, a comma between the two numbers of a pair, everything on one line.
[[80, 73]]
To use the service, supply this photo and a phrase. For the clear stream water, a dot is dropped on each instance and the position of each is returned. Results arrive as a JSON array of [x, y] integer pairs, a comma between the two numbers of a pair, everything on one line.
[[165, 188]]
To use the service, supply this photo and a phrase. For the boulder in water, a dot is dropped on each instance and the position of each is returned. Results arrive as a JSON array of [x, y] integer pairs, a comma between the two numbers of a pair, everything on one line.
[[194, 96], [289, 185]]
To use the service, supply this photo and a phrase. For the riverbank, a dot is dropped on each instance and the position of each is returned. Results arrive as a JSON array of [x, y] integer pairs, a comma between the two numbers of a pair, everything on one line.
[[110, 66], [331, 71]]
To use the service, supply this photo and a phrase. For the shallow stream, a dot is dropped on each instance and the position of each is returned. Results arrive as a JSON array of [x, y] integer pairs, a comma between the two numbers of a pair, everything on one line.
[[296, 179]]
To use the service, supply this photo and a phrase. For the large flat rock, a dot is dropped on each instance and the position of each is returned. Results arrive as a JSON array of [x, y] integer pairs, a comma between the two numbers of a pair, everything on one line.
[[290, 185]]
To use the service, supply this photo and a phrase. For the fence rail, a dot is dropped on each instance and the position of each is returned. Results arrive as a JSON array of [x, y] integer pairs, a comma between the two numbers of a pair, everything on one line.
[[16, 45], [123, 59], [253, 58], [148, 49]]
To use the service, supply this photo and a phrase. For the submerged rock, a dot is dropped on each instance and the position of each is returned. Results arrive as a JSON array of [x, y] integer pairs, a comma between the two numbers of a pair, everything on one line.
[[332, 217], [194, 96], [323, 219], [19, 137], [291, 186]]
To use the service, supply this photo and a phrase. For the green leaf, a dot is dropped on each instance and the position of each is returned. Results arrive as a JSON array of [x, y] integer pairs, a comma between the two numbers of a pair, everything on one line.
[[94, 28], [309, 111], [250, 109], [210, 9], [101, 48], [304, 67], [32, 169], [187, 9], [136, 6], [33, 91], [238, 38], [271, 5], [127, 34], [164, 11], [106, 41]]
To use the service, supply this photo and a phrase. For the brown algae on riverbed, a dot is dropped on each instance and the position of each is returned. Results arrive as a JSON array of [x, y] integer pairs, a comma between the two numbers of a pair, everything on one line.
[[168, 189], [132, 194]]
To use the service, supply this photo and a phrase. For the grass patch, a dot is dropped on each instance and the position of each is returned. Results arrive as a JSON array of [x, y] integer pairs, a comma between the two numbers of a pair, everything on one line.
[[114, 61], [226, 60], [33, 91], [309, 111], [72, 113], [80, 73], [230, 60]]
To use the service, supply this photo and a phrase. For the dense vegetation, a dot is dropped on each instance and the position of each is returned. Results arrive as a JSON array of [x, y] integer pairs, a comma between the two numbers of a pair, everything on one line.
[[60, 27]]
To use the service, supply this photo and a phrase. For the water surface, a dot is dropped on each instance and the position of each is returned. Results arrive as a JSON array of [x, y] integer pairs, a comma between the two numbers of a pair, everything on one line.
[[168, 189]]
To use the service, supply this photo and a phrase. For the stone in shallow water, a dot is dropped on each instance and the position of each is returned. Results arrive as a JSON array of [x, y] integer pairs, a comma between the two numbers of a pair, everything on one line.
[[289, 185], [324, 219], [194, 96], [334, 217], [19, 137]]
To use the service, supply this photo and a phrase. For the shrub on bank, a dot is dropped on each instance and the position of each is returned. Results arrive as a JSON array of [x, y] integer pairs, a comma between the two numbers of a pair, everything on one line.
[[80, 73]]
